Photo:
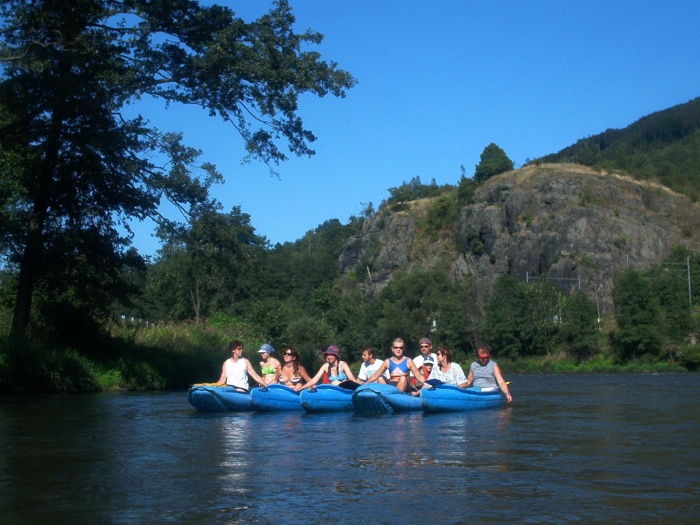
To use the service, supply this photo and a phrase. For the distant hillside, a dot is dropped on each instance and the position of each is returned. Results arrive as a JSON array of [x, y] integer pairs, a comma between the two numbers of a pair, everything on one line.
[[560, 221], [663, 147]]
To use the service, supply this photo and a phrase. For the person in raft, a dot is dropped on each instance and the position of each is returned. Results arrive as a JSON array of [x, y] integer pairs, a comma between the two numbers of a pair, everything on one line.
[[426, 368], [486, 374], [399, 367], [292, 372], [447, 371], [333, 371], [370, 364], [236, 370], [426, 350], [268, 365]]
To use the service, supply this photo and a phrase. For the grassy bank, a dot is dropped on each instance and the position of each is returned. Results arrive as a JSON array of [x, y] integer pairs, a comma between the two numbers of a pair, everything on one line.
[[135, 357], [129, 357]]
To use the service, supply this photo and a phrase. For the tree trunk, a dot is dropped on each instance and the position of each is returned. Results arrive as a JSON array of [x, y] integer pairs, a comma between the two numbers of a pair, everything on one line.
[[25, 287]]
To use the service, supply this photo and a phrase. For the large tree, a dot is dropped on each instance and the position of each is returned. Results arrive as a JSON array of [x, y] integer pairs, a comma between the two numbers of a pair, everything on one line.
[[75, 166]]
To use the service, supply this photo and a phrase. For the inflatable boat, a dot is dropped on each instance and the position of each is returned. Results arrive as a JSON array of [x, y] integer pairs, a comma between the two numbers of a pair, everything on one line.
[[275, 398], [327, 398], [378, 398], [213, 398], [450, 398]]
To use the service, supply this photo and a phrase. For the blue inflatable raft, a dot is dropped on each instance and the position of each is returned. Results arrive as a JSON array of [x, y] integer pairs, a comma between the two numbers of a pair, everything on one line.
[[275, 398], [327, 398], [450, 398], [212, 398], [378, 398]]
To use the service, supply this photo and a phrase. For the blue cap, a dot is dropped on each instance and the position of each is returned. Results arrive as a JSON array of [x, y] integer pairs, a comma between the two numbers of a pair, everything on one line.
[[266, 348]]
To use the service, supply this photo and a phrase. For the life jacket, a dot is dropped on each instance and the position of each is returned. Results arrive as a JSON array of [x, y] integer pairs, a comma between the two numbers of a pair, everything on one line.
[[425, 373]]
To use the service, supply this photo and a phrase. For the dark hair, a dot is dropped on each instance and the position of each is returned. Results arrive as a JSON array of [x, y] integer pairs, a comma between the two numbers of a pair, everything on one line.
[[483, 348], [370, 351], [234, 344], [446, 352], [295, 355]]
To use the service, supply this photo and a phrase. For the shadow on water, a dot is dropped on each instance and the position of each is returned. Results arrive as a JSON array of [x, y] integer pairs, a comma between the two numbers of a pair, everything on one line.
[[571, 449]]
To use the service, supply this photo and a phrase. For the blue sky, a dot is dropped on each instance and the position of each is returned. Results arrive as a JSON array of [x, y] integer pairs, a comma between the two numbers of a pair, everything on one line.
[[438, 80]]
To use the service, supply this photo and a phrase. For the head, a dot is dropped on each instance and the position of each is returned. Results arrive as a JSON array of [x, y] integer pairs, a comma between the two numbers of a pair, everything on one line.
[[368, 354], [236, 348], [398, 346], [426, 346], [291, 356], [332, 354], [483, 354], [428, 363], [266, 351], [445, 354]]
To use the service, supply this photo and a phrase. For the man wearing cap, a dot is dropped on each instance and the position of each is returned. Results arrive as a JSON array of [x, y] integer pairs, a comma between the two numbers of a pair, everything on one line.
[[426, 349], [268, 365]]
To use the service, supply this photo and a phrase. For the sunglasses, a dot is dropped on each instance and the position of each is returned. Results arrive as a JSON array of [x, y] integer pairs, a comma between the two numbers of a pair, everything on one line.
[[425, 346], [289, 354]]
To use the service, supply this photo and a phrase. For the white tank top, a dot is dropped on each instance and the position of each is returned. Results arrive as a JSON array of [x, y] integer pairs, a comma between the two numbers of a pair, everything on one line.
[[237, 373]]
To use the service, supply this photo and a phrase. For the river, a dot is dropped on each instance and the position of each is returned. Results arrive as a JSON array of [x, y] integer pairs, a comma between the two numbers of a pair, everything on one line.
[[570, 449]]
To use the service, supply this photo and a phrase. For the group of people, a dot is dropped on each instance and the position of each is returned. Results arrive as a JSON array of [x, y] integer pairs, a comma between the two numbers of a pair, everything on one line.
[[408, 375]]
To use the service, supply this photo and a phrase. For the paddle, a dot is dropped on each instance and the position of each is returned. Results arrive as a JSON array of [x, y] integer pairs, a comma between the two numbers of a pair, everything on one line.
[[349, 385]]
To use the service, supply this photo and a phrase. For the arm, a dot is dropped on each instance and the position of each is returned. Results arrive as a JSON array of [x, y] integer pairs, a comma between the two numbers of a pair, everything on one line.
[[420, 380], [312, 382], [470, 379], [501, 383], [252, 373], [379, 372], [304, 375], [222, 379]]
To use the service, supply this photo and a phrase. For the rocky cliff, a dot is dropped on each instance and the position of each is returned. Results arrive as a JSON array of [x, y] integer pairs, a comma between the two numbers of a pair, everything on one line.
[[567, 223]]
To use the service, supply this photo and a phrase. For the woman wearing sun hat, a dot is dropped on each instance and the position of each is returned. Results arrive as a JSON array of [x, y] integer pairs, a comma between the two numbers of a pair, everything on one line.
[[333, 371], [268, 365]]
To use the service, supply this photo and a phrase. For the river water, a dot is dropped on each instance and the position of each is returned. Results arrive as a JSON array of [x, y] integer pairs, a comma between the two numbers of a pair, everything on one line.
[[570, 449]]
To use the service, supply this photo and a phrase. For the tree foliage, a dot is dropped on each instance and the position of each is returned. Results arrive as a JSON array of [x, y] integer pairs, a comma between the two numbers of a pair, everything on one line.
[[493, 161], [77, 167], [638, 316], [209, 266], [663, 146]]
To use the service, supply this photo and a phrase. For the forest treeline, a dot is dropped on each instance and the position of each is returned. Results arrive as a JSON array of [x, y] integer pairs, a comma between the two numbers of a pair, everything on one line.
[[81, 309], [663, 147]]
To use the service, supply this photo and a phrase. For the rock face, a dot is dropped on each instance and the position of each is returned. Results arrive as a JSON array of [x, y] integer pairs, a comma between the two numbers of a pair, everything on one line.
[[567, 223]]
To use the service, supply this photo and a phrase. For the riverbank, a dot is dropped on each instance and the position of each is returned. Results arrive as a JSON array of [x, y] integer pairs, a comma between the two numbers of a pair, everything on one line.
[[174, 356]]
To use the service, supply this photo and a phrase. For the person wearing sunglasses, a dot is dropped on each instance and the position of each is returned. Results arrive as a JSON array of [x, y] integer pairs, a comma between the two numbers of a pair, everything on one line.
[[447, 371], [292, 373], [399, 366], [237, 369], [486, 374], [426, 350]]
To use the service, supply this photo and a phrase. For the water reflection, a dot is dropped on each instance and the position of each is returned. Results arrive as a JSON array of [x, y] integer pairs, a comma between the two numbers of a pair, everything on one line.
[[599, 449]]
